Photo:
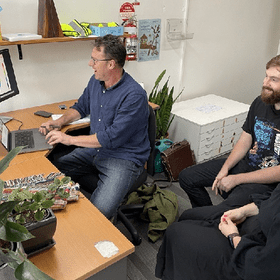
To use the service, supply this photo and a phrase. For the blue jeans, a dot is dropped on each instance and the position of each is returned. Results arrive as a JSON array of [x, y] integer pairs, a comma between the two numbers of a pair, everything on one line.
[[116, 176], [194, 179]]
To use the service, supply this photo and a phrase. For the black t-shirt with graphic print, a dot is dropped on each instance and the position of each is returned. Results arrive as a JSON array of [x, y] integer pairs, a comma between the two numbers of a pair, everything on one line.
[[263, 123]]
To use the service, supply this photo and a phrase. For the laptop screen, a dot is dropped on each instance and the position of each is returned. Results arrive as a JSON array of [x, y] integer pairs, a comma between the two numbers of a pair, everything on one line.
[[4, 134], [8, 83]]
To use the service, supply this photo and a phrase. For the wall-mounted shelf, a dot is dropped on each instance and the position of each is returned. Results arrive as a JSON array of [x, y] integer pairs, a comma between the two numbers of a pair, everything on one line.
[[176, 30], [46, 40], [48, 26], [176, 37], [43, 40]]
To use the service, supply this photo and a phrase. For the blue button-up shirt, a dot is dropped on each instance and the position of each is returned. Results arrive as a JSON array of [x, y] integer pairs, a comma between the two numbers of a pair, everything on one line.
[[119, 117]]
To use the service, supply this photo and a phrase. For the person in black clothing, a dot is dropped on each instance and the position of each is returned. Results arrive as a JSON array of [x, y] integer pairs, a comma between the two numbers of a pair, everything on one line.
[[253, 164], [196, 247]]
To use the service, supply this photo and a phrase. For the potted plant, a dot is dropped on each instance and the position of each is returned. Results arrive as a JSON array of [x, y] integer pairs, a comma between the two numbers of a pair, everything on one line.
[[12, 233], [34, 212], [164, 98]]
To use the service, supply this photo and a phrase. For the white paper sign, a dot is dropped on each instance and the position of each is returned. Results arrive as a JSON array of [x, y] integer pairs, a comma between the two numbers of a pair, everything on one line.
[[106, 248], [209, 108]]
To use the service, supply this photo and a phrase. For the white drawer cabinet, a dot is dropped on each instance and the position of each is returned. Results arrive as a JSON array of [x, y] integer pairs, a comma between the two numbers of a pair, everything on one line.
[[212, 124]]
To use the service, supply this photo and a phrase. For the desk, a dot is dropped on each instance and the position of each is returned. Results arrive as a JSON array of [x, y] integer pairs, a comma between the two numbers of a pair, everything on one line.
[[79, 226]]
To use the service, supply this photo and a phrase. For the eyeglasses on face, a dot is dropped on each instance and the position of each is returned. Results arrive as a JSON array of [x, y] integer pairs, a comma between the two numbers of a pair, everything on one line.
[[96, 60]]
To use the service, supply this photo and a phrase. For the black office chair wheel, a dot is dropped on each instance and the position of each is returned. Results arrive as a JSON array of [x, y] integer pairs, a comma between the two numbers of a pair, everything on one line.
[[137, 241]]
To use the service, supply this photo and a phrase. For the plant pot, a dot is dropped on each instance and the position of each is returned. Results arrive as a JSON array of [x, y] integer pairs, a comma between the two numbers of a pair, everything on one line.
[[43, 231]]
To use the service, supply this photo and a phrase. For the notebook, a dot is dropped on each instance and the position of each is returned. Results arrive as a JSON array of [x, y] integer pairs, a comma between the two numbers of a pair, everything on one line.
[[32, 139]]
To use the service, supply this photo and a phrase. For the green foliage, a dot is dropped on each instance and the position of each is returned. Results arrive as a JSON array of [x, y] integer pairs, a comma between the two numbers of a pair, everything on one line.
[[32, 206], [11, 230], [27, 270], [24, 269], [164, 98], [4, 163]]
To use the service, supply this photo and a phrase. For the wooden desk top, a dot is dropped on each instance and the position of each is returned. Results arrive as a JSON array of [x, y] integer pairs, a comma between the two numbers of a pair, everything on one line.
[[79, 226]]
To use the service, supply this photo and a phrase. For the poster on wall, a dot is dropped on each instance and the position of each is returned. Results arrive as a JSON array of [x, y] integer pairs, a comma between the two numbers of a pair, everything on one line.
[[149, 39]]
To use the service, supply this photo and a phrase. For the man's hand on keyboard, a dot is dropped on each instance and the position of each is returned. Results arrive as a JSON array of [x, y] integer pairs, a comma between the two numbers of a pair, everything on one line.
[[55, 137], [46, 127]]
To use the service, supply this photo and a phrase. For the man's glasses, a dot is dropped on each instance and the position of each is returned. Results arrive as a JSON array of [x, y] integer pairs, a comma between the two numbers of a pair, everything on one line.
[[96, 60]]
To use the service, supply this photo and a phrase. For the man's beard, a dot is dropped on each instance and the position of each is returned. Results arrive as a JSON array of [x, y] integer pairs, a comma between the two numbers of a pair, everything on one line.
[[272, 97]]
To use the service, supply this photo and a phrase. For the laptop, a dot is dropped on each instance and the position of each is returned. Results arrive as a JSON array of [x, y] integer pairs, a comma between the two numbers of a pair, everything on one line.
[[32, 139]]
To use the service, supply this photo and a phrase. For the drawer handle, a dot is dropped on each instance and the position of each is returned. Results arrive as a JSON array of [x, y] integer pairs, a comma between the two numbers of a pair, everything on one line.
[[209, 138], [208, 146], [210, 131]]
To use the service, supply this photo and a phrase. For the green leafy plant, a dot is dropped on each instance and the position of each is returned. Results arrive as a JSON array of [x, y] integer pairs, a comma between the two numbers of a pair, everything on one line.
[[22, 205], [164, 98], [33, 206]]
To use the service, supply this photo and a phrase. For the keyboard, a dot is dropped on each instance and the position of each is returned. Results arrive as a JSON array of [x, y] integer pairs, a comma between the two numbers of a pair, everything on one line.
[[24, 138]]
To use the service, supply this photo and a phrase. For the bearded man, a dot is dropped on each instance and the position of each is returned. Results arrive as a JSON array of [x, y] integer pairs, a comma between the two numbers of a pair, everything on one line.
[[253, 165]]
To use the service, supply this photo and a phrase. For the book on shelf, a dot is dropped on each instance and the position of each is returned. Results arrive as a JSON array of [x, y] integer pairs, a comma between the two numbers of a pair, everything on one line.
[[13, 37]]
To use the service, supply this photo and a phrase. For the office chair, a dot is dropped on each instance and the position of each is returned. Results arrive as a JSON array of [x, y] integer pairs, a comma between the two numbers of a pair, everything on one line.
[[89, 183]]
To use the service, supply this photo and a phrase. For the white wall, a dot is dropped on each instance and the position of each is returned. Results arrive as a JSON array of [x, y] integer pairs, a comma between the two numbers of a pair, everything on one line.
[[233, 39], [59, 71]]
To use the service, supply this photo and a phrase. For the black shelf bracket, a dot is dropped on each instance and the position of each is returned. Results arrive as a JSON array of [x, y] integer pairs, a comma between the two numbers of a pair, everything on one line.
[[19, 52]]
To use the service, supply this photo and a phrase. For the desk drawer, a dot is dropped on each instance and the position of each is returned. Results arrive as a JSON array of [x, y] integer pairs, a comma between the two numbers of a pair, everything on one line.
[[208, 147], [218, 151], [217, 129], [210, 127], [217, 145], [235, 119]]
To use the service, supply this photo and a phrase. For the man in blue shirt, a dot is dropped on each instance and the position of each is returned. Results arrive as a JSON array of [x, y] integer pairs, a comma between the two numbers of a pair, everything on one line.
[[118, 145]]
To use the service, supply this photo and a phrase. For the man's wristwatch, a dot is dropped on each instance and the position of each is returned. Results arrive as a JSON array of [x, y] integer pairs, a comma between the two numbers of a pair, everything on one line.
[[230, 238]]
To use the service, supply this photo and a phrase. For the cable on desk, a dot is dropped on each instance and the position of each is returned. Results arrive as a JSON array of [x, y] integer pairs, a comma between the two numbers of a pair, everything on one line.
[[20, 122]]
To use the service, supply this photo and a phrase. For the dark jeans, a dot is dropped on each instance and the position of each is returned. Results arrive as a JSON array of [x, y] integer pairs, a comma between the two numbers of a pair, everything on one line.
[[116, 176], [193, 180]]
